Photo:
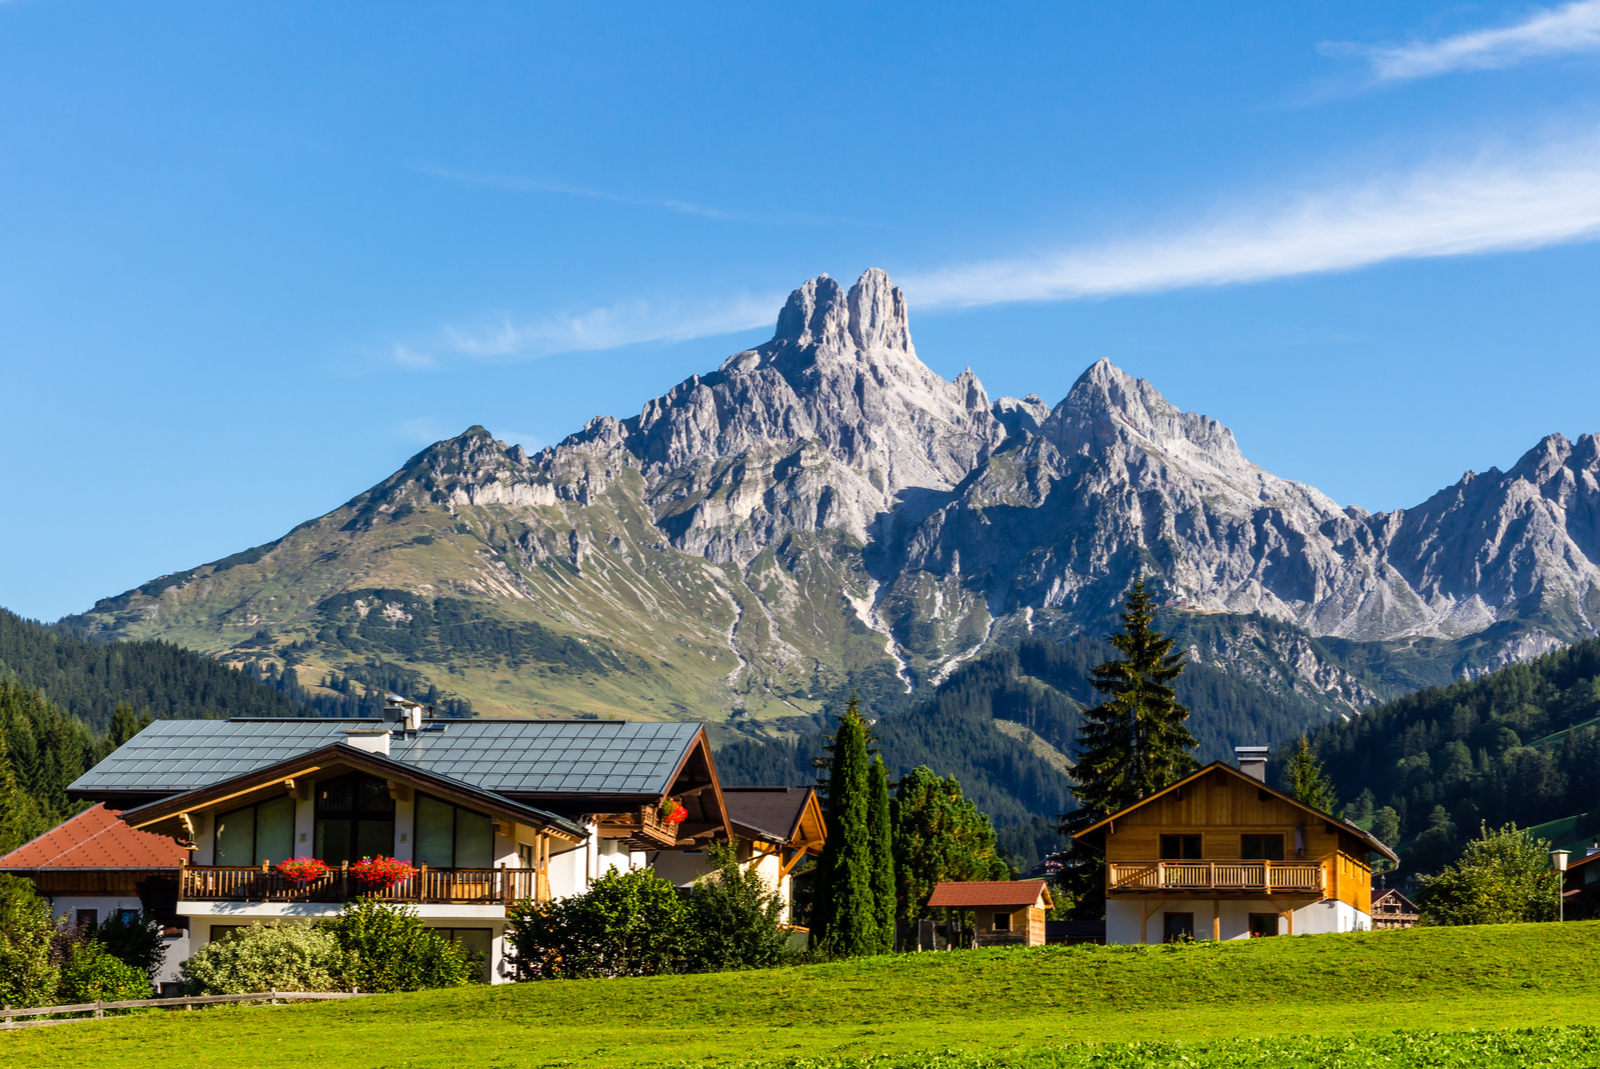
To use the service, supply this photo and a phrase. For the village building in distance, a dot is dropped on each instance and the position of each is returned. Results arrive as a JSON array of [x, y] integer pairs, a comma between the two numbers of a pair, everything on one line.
[[1221, 855]]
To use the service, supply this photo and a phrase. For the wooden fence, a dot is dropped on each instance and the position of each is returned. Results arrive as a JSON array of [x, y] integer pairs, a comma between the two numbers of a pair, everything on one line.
[[97, 1009]]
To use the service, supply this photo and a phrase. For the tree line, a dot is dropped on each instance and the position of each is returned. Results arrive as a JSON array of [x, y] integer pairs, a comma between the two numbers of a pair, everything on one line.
[[1518, 746]]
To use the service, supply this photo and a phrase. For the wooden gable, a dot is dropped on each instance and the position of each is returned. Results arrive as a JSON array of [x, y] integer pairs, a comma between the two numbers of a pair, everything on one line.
[[1221, 805]]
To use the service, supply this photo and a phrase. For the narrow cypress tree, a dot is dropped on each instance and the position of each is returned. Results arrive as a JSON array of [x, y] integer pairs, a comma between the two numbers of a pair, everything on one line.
[[846, 913], [1134, 743], [881, 828]]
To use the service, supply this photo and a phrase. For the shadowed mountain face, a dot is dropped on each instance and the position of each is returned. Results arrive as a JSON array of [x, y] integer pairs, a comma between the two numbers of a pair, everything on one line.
[[825, 511]]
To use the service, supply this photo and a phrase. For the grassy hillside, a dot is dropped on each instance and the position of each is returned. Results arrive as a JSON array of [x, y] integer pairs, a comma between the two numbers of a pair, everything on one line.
[[977, 1001]]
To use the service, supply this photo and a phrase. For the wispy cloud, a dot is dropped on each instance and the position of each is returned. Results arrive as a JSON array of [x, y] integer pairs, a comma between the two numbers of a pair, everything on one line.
[[634, 323], [1571, 28], [517, 184], [1505, 201]]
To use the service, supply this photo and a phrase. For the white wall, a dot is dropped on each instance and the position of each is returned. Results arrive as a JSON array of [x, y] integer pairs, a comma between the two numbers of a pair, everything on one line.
[[1122, 918], [107, 906]]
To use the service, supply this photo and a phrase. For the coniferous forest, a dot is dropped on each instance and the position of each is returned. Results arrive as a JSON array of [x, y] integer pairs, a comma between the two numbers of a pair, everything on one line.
[[1521, 744]]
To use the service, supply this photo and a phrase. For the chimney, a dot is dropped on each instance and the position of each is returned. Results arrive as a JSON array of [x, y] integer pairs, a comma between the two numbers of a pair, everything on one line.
[[372, 740], [1253, 761], [403, 715]]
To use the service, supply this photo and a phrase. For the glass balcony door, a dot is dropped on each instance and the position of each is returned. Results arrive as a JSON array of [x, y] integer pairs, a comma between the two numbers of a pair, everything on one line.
[[355, 819]]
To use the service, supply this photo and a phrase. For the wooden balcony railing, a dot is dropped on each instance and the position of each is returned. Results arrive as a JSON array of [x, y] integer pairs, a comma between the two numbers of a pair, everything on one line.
[[228, 883], [1265, 877], [643, 829]]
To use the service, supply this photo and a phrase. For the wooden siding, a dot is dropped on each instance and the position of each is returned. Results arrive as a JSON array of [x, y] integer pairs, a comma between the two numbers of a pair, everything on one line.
[[123, 883], [1027, 927], [1220, 809]]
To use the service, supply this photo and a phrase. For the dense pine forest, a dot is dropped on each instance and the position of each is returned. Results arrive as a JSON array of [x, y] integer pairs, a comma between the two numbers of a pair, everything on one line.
[[1522, 744]]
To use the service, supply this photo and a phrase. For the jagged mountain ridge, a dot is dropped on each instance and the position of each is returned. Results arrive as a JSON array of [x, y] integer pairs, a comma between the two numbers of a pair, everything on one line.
[[825, 510]]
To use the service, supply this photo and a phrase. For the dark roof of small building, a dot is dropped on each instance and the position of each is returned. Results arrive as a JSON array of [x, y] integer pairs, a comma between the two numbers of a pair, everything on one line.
[[504, 756], [96, 839], [975, 893], [773, 811]]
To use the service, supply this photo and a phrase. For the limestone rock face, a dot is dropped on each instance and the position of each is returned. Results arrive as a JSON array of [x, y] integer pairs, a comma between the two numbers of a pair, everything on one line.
[[825, 505]]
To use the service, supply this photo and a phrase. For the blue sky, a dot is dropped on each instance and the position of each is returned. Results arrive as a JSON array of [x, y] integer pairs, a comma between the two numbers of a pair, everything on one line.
[[254, 256]]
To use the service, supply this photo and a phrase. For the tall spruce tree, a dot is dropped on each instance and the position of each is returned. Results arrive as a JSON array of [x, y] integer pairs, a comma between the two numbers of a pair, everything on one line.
[[1135, 742], [881, 828], [1308, 782], [846, 914]]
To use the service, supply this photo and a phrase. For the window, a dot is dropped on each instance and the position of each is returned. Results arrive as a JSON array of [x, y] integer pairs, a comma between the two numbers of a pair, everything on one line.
[[449, 837], [1177, 926], [256, 833], [355, 819], [87, 918], [128, 916], [1261, 847], [222, 931], [1002, 922], [1263, 924], [525, 855], [478, 941], [1180, 848], [169, 989]]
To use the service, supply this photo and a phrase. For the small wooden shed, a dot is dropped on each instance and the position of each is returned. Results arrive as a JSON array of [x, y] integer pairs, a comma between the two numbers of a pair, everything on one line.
[[1006, 912]]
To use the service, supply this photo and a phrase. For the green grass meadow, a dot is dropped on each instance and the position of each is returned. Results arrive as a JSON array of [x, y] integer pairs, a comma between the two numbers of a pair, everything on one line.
[[1488, 996]]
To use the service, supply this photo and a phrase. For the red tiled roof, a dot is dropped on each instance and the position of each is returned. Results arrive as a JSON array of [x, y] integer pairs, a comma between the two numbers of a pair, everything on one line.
[[96, 839], [987, 893]]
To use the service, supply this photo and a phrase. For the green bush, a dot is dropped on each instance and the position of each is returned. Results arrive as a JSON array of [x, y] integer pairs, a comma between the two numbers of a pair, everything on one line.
[[626, 924], [282, 957], [94, 973], [136, 940], [1503, 877], [26, 930], [736, 917], [386, 947]]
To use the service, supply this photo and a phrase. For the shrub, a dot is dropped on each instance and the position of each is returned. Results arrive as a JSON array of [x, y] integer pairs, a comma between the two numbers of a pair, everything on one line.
[[27, 978], [92, 972], [626, 924], [386, 947], [136, 940], [736, 917], [283, 957], [1502, 877]]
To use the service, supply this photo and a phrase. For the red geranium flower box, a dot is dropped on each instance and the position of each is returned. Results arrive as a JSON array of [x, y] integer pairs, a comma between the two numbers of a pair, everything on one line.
[[303, 869], [674, 812], [380, 873]]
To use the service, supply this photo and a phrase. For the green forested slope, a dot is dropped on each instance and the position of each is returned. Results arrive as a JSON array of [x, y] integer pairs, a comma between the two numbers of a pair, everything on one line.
[[1040, 685], [1521, 745]]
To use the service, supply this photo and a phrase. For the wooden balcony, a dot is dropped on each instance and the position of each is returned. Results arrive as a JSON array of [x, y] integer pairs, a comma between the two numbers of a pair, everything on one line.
[[1215, 877], [227, 883], [641, 829]]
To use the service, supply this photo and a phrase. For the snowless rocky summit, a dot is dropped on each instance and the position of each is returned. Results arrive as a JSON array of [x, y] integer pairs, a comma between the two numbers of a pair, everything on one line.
[[835, 425], [825, 505]]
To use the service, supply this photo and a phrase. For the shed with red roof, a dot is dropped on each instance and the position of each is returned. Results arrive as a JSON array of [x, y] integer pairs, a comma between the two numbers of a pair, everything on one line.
[[1005, 912]]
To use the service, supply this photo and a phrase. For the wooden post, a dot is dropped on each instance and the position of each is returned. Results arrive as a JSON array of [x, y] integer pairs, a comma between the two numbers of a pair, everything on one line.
[[344, 879], [98, 1012], [1216, 920], [422, 882]]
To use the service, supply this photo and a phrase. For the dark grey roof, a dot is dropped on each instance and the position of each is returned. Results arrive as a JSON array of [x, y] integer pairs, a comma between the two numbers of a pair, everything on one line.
[[534, 815], [543, 756]]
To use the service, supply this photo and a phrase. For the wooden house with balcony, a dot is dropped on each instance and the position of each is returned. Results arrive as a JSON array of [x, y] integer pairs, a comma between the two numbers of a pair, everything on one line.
[[485, 812], [1221, 855]]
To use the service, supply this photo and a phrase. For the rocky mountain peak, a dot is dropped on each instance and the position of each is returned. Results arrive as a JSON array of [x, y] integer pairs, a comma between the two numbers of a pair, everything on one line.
[[1107, 405]]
